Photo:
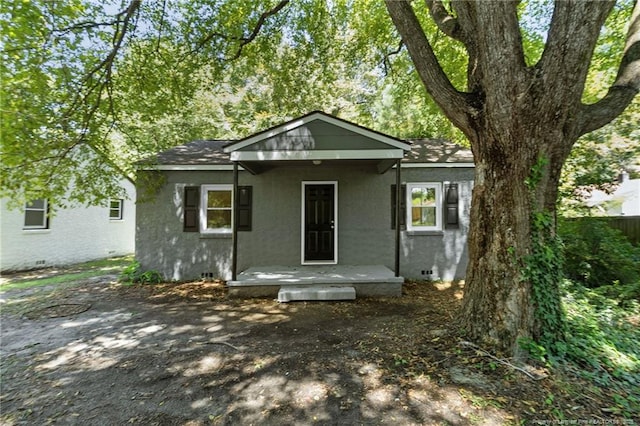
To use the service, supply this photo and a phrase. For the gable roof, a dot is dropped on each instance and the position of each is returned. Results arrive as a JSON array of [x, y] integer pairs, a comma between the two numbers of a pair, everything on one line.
[[315, 127]]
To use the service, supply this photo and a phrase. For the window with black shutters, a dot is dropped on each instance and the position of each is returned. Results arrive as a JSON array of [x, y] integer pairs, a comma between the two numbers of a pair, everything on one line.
[[209, 208]]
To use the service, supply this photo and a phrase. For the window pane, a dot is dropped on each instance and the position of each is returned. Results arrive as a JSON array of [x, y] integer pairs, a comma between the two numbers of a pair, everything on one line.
[[219, 199], [423, 216], [115, 209], [218, 219], [34, 218], [423, 197], [36, 204]]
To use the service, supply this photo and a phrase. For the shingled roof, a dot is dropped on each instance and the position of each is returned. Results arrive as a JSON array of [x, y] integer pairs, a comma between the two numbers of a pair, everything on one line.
[[199, 152], [437, 151], [210, 152]]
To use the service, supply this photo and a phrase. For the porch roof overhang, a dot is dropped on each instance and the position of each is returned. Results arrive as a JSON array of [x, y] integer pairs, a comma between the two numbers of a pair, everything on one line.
[[257, 162]]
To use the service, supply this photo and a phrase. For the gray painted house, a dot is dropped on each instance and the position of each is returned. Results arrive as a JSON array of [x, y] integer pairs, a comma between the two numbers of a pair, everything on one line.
[[314, 195]]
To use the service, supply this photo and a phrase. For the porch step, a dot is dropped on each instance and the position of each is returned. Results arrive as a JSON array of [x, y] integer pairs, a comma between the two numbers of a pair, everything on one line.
[[290, 294]]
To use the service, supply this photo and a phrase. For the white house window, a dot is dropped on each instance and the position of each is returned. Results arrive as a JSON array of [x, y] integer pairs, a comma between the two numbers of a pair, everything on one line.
[[216, 208], [35, 214], [425, 206], [115, 209]]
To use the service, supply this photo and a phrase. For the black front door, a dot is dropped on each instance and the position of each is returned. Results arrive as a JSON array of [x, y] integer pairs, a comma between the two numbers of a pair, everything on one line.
[[319, 234]]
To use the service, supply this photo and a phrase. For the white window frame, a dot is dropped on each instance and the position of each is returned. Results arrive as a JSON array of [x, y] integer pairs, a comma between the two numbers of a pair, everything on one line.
[[438, 190], [119, 209], [44, 210], [204, 192]]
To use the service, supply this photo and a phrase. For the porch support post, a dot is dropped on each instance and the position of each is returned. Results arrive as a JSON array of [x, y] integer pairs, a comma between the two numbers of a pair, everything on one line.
[[398, 211], [234, 233]]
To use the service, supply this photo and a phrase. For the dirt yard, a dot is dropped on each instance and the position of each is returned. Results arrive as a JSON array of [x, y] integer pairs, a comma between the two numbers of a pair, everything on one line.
[[98, 353]]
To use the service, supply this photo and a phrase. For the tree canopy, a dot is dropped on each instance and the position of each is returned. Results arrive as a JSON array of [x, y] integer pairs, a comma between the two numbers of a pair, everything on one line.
[[88, 85], [94, 85]]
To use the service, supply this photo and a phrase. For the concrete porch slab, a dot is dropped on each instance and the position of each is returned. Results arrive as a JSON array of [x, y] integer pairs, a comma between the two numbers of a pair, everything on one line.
[[368, 280]]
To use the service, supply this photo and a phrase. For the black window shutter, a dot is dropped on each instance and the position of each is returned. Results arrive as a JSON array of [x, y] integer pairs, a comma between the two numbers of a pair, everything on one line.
[[48, 215], [403, 206], [245, 200], [191, 209], [451, 206]]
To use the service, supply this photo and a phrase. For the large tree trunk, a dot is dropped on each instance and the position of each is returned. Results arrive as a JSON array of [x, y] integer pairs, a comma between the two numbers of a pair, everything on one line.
[[522, 122], [512, 214]]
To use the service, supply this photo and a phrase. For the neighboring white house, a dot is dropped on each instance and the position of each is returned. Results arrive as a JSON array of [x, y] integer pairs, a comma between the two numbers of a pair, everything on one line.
[[29, 239], [624, 201]]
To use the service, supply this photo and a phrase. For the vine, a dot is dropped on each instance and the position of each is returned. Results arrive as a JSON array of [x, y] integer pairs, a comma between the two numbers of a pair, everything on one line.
[[543, 269]]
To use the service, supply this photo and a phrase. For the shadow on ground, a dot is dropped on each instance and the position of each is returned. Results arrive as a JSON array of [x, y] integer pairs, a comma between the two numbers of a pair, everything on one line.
[[184, 354]]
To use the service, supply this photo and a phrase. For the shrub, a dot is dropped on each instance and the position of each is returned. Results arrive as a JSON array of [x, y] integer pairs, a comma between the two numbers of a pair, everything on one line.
[[598, 255], [603, 341], [134, 274]]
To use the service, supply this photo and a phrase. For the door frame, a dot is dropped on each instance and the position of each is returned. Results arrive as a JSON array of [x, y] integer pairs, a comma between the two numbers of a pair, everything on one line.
[[303, 203]]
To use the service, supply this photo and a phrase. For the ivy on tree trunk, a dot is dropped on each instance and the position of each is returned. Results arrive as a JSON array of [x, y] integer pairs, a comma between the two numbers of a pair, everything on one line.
[[514, 115]]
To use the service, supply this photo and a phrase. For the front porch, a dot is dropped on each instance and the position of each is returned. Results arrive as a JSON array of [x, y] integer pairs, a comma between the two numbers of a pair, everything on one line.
[[266, 281]]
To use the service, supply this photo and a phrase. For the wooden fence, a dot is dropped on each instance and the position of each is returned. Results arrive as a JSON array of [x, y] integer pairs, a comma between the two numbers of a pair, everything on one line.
[[629, 225]]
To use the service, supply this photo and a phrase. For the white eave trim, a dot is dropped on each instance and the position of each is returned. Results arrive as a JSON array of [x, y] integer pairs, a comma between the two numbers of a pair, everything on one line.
[[436, 165], [359, 154], [322, 117], [189, 167], [224, 167]]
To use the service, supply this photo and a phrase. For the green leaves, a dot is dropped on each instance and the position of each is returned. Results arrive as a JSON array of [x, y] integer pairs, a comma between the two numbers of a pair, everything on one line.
[[543, 269], [51, 111], [89, 89], [105, 84]]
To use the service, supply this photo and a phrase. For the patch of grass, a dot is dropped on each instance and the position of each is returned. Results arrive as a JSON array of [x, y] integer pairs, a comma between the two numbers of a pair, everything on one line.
[[71, 273], [59, 279]]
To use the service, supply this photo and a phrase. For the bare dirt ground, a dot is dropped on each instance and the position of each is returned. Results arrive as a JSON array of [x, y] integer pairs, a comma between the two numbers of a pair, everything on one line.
[[95, 352]]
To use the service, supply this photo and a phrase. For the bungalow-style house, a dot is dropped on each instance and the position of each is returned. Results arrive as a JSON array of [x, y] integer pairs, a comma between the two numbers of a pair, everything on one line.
[[31, 238], [316, 200]]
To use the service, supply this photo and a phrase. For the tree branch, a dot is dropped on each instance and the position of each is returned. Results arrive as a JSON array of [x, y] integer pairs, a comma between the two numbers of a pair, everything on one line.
[[571, 40], [625, 87], [243, 40], [457, 106], [469, 24], [446, 23], [162, 15], [106, 65], [498, 48], [258, 27], [85, 26], [532, 376], [386, 62]]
